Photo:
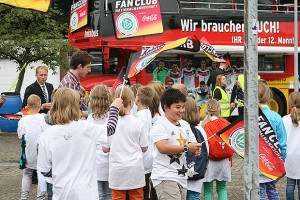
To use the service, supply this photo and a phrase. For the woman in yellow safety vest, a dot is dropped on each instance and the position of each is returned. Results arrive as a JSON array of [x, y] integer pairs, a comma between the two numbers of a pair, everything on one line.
[[221, 95]]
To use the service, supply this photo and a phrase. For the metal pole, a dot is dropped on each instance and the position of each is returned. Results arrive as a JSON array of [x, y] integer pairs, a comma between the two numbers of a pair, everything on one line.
[[251, 162], [296, 87]]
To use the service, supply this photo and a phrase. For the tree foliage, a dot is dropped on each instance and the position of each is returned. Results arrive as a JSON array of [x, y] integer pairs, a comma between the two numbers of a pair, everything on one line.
[[27, 36]]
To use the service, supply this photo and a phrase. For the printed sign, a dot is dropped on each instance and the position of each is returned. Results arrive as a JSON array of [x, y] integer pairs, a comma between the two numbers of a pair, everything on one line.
[[137, 17], [78, 17]]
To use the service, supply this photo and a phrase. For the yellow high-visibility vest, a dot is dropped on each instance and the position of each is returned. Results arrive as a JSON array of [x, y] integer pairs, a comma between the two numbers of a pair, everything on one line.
[[241, 80], [224, 102]]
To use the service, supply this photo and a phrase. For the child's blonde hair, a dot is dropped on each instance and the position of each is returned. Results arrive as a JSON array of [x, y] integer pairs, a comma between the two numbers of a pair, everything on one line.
[[34, 102], [65, 106], [212, 108], [181, 87], [145, 95], [100, 101], [158, 87], [127, 97], [192, 112], [294, 103], [264, 94], [134, 88], [154, 106]]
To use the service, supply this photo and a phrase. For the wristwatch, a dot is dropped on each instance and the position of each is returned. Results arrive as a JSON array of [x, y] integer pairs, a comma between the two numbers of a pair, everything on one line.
[[185, 148]]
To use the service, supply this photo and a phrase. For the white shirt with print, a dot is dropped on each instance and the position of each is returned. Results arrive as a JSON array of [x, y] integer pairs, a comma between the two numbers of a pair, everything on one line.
[[70, 152], [170, 167]]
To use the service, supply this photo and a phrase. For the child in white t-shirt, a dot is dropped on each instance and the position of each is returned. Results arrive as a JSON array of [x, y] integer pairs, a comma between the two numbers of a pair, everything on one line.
[[29, 128], [143, 100], [173, 138], [100, 101], [126, 169], [292, 161], [67, 150]]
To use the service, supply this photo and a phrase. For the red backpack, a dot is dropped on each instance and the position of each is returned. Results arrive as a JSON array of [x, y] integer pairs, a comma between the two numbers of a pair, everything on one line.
[[218, 149]]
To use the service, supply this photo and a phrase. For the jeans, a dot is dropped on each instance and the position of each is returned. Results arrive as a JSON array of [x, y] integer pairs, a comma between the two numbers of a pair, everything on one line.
[[49, 191], [290, 188], [26, 182], [191, 195], [268, 189], [104, 190]]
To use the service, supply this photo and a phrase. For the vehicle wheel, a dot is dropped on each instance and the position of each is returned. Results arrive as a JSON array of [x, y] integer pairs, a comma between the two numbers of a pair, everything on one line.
[[277, 104]]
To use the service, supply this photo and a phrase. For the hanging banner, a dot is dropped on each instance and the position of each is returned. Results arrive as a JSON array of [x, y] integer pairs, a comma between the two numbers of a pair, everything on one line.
[[40, 5], [139, 60], [137, 18], [79, 11], [209, 50], [270, 160]]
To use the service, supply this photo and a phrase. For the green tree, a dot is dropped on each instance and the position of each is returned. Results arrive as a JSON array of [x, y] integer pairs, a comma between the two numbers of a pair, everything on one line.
[[27, 36]]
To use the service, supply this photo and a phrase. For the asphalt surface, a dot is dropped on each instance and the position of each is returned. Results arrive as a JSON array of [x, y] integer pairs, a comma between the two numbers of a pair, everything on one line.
[[11, 175]]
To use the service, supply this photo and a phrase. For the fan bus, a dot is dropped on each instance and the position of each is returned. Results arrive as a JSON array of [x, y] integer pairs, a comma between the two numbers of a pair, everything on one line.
[[94, 27]]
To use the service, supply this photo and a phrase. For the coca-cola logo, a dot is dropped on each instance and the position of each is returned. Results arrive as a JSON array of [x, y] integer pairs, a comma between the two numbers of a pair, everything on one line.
[[150, 18]]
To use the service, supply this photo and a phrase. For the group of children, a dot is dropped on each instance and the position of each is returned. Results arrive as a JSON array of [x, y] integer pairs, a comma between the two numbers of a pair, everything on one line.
[[136, 145]]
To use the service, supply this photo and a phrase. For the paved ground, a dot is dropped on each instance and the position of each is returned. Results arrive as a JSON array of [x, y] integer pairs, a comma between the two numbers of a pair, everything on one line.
[[11, 175]]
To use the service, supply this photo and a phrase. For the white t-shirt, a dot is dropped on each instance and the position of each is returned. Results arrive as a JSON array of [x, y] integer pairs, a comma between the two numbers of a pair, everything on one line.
[[292, 161], [29, 127], [126, 168], [43, 126], [170, 167], [196, 185], [146, 118], [69, 150], [101, 157], [217, 170]]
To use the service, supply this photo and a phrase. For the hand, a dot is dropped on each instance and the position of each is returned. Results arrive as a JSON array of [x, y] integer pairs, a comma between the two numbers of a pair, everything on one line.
[[238, 84], [2, 100], [232, 105], [194, 147], [117, 102], [209, 96], [46, 106]]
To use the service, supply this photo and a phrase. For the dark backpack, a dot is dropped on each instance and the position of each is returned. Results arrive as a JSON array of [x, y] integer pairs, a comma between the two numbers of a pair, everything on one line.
[[197, 165]]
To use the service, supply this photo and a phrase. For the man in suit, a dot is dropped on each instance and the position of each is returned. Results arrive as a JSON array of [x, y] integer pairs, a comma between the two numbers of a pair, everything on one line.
[[40, 88]]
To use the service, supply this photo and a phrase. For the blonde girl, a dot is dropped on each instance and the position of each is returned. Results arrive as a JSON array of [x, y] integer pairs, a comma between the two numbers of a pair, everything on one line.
[[267, 185], [181, 87], [134, 88], [291, 124], [154, 108], [100, 100], [159, 88], [218, 171], [126, 169], [67, 150], [192, 116]]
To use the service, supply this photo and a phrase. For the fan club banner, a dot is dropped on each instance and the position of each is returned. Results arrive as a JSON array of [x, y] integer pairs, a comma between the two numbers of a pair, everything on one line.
[[137, 17], [270, 160], [138, 61], [79, 13], [40, 5]]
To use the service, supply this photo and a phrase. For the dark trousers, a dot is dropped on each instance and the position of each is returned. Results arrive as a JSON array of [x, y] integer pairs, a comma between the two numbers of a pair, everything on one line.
[[149, 191]]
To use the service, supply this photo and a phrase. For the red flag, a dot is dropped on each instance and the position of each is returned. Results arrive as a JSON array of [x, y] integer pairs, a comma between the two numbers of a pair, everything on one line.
[[270, 159]]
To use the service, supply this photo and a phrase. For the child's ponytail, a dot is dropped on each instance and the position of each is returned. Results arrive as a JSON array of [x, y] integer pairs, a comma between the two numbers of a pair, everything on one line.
[[127, 97], [294, 102], [212, 108]]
